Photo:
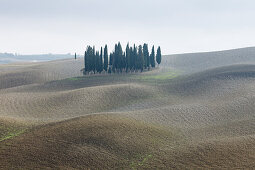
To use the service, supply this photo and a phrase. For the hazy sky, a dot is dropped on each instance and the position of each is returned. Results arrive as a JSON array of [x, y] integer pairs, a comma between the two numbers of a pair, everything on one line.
[[63, 26]]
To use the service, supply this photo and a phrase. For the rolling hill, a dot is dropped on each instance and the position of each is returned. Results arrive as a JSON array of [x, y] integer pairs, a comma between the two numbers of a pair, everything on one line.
[[195, 62], [7, 58], [163, 119]]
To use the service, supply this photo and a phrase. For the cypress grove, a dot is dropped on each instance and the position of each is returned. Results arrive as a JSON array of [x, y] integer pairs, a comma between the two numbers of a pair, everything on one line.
[[132, 59]]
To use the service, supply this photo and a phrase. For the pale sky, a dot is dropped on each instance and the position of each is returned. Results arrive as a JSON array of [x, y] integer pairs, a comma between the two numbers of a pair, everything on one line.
[[178, 26]]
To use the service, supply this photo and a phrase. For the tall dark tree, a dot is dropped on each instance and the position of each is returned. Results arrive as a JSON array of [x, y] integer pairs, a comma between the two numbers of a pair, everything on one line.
[[94, 60], [85, 63], [115, 63], [132, 59], [152, 57], [158, 57], [97, 61], [112, 62], [135, 57], [119, 58], [128, 59], [75, 56], [111, 59], [140, 59], [105, 58], [88, 59], [101, 66], [146, 56]]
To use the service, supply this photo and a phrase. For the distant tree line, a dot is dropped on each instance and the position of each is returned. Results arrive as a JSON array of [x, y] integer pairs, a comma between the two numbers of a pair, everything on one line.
[[131, 60]]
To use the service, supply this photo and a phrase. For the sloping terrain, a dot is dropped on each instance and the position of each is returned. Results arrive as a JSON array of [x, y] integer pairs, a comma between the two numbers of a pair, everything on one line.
[[12, 75], [97, 142], [6, 58], [52, 106], [153, 120], [195, 62]]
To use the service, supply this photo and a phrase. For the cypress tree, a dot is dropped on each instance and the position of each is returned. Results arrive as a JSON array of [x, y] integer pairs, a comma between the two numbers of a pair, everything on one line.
[[85, 63], [89, 56], [115, 59], [140, 58], [152, 58], [120, 58], [135, 58], [111, 59], [101, 67], [93, 60], [105, 58], [75, 56], [128, 60], [112, 62], [158, 57], [132, 60], [146, 56], [88, 59], [97, 61], [123, 62]]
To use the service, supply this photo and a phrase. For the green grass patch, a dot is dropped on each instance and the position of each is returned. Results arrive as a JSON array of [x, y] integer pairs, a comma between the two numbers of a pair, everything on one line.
[[160, 76], [74, 79], [11, 134], [141, 161]]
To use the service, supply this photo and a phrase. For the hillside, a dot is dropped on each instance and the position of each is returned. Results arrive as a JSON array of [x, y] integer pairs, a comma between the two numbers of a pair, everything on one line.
[[195, 62], [162, 119], [12, 75], [7, 58]]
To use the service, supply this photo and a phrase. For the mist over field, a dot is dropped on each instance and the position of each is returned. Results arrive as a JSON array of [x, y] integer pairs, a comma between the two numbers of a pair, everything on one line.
[[6, 58]]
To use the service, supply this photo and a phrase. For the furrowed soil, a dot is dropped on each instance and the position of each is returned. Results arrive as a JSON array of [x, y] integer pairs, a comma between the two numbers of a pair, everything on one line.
[[52, 117]]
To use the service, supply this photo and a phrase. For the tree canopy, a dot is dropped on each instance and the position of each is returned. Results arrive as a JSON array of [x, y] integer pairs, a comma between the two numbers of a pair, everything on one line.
[[158, 57], [132, 59]]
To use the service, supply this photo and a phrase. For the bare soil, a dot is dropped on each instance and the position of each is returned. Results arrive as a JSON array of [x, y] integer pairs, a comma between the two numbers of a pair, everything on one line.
[[52, 118]]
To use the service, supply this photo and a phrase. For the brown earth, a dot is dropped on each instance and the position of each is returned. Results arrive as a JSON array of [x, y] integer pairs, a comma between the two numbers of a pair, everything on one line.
[[49, 120]]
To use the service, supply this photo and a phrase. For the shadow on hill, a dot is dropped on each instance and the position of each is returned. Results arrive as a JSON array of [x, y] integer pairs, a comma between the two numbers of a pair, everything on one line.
[[211, 79], [195, 62], [96, 142]]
